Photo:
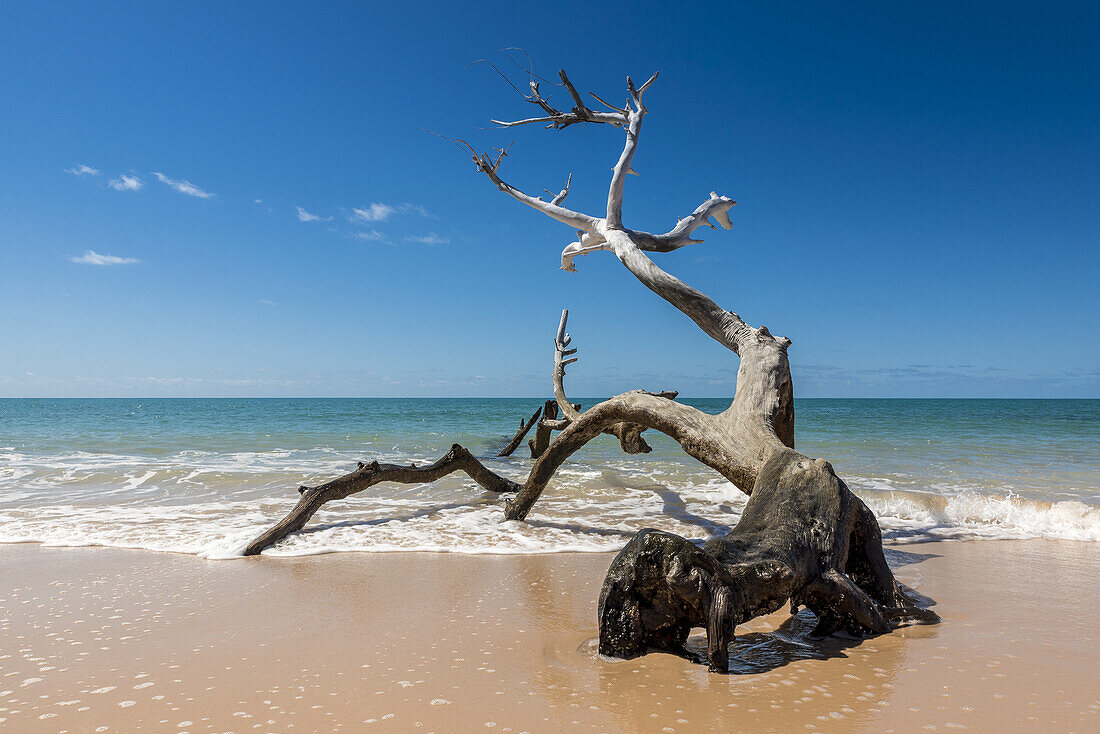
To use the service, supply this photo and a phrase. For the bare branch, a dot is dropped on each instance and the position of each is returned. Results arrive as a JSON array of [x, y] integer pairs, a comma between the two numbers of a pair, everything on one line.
[[556, 119], [623, 167], [565, 216], [580, 107], [524, 427], [602, 101], [537, 98], [566, 119], [716, 207], [561, 341], [698, 433], [585, 244], [368, 475], [724, 326], [560, 198], [648, 81]]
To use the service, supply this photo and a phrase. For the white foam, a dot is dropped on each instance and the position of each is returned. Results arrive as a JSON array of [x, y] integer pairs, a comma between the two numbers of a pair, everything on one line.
[[212, 504], [974, 515]]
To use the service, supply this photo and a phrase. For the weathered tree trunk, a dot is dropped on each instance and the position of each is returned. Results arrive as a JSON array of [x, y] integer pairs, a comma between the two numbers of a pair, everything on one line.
[[803, 536]]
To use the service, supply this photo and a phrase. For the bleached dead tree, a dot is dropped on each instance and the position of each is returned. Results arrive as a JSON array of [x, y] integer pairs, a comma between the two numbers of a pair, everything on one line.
[[803, 537]]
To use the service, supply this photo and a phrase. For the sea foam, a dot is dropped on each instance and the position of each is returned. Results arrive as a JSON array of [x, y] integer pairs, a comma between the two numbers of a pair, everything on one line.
[[459, 518]]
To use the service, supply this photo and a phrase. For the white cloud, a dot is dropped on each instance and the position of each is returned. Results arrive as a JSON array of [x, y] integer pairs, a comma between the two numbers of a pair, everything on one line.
[[82, 170], [379, 212], [184, 187], [304, 216], [268, 302], [376, 212], [91, 257], [257, 201], [126, 183], [372, 235], [418, 209], [429, 239]]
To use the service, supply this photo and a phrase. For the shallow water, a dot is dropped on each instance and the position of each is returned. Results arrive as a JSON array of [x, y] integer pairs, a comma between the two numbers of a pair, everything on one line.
[[205, 476]]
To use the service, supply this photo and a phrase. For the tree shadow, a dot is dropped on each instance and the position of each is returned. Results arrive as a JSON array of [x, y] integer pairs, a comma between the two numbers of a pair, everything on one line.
[[585, 529], [759, 652], [675, 507], [898, 558], [913, 536], [753, 653]]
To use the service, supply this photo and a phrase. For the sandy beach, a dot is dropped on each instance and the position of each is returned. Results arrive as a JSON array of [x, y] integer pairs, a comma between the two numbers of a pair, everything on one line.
[[98, 640]]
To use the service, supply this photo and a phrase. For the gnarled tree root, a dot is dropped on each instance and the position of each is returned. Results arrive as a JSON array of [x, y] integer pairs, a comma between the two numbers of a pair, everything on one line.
[[803, 537]]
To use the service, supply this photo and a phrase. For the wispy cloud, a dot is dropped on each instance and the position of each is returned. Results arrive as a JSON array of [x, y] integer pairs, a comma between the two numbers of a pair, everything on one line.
[[418, 209], [304, 216], [371, 235], [380, 212], [376, 212], [184, 187], [429, 239], [268, 302], [126, 183], [82, 170], [91, 257]]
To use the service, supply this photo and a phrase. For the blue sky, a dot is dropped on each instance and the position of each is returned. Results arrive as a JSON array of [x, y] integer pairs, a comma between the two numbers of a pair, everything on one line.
[[918, 193]]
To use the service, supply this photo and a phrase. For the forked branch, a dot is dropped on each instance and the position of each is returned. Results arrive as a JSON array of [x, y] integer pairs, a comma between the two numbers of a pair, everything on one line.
[[623, 167], [553, 209]]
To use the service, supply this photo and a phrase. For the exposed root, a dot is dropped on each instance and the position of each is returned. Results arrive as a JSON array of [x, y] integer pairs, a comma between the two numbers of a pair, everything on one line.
[[800, 530]]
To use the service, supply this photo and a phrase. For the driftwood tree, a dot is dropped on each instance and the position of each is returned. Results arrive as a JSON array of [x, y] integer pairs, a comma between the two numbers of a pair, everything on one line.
[[803, 537]]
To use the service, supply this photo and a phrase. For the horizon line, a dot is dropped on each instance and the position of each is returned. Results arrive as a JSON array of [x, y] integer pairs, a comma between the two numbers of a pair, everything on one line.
[[518, 397]]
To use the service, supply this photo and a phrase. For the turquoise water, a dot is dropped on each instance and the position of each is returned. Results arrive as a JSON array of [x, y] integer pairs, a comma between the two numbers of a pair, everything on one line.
[[204, 476]]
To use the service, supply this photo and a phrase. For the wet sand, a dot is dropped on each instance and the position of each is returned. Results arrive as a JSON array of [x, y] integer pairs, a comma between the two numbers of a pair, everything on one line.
[[104, 640]]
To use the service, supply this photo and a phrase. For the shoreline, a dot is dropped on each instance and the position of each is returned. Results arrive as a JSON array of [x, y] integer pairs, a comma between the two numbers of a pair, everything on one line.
[[128, 639]]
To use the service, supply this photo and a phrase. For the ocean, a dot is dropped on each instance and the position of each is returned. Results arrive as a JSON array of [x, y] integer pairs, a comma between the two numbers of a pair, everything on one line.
[[204, 476]]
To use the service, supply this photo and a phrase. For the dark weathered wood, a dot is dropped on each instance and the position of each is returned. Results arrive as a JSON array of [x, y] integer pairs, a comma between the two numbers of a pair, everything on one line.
[[541, 440], [524, 427], [803, 537], [368, 475]]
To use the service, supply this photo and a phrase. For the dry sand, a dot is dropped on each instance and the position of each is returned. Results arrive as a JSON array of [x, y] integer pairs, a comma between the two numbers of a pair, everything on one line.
[[97, 640]]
